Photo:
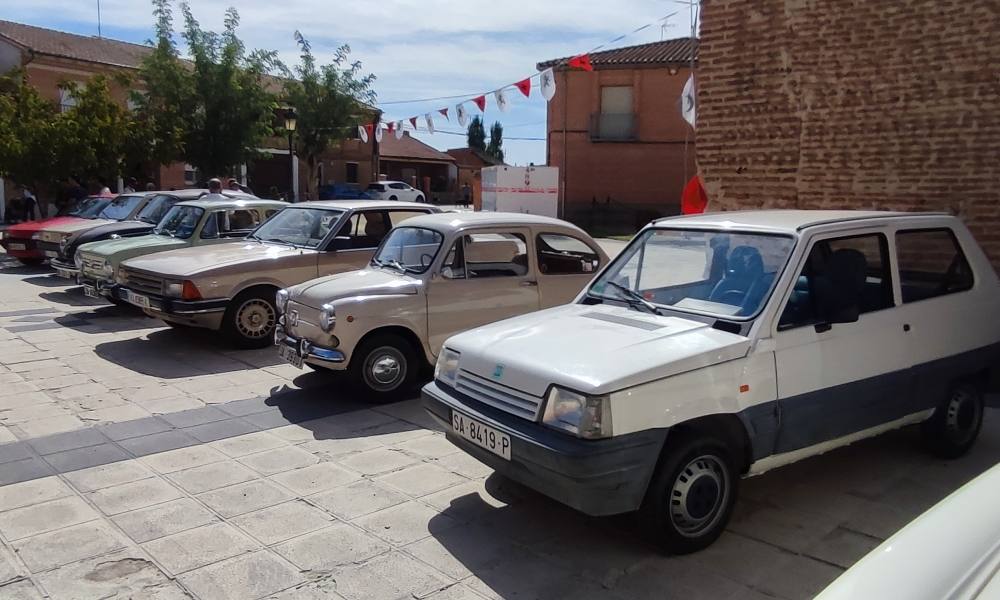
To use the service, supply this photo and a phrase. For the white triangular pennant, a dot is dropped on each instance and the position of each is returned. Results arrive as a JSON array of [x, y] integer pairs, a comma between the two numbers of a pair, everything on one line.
[[547, 84], [430, 123], [362, 134], [503, 103], [463, 115], [378, 132], [689, 102], [399, 130]]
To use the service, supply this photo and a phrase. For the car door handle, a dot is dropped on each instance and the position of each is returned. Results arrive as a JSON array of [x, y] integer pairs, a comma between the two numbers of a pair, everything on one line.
[[529, 283], [906, 326]]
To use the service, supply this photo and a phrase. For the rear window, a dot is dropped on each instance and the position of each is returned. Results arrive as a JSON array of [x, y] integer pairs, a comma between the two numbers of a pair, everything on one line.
[[931, 264], [376, 187]]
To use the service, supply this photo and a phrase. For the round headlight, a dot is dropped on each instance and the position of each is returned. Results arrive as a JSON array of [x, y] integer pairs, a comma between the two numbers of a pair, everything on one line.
[[281, 301], [327, 317]]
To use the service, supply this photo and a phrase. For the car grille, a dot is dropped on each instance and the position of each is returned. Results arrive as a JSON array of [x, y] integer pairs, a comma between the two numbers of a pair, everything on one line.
[[140, 282], [499, 396], [90, 264]]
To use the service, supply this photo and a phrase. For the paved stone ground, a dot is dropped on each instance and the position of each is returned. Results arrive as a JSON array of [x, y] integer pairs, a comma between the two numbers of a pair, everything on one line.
[[141, 462]]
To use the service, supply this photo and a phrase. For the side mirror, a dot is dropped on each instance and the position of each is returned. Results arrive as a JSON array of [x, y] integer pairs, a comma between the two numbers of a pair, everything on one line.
[[341, 242]]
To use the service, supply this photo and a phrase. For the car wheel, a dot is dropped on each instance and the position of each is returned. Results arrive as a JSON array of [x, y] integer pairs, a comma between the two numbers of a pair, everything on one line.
[[382, 367], [419, 199], [250, 319], [393, 198], [691, 495], [953, 428], [31, 262]]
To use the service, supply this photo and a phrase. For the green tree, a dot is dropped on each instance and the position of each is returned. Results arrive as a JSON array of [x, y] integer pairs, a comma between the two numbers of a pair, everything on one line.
[[329, 102], [28, 133], [476, 134], [495, 147], [214, 110]]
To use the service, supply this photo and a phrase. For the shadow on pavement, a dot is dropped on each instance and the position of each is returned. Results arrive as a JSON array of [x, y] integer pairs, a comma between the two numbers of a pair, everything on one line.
[[106, 319], [50, 281], [10, 266]]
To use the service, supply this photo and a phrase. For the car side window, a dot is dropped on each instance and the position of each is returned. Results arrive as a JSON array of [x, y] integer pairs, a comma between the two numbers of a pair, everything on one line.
[[453, 266], [869, 253], [931, 264], [366, 229], [398, 216], [495, 255], [564, 255], [270, 213], [210, 231], [236, 222]]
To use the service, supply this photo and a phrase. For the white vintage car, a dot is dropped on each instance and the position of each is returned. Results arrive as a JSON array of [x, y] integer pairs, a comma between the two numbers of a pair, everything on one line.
[[723, 345]]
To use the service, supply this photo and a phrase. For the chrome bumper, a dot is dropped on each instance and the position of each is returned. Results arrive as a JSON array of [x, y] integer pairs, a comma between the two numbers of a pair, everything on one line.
[[307, 350]]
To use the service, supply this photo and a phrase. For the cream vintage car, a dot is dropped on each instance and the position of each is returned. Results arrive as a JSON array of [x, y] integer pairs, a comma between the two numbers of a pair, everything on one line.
[[232, 287], [432, 277]]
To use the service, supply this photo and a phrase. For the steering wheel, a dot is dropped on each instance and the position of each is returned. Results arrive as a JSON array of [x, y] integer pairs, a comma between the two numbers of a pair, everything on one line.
[[737, 295]]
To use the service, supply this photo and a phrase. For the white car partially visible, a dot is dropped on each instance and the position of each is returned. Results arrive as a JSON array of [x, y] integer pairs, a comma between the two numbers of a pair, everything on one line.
[[394, 190], [951, 552]]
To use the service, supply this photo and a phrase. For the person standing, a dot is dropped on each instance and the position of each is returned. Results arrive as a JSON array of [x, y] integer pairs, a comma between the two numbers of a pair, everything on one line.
[[466, 194], [29, 203], [214, 190], [130, 185]]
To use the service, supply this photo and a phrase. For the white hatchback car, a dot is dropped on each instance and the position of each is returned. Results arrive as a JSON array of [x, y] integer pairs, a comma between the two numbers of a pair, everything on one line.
[[394, 190], [726, 344]]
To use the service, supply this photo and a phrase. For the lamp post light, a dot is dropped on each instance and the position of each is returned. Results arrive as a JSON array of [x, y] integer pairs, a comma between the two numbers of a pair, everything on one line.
[[290, 121]]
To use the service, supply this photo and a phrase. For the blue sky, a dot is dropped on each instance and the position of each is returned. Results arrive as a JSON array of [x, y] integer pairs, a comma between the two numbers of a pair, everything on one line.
[[417, 48]]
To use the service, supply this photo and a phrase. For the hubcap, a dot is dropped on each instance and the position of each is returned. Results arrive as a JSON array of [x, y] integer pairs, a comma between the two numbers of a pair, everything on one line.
[[255, 318], [385, 369], [961, 415], [698, 495]]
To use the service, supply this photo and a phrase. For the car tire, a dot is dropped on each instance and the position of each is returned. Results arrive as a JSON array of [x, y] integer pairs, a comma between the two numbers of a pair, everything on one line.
[[419, 199], [393, 198], [383, 367], [250, 319], [953, 428], [691, 495]]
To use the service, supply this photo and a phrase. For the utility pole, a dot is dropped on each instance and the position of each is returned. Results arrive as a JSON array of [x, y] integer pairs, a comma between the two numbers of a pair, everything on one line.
[[98, 18]]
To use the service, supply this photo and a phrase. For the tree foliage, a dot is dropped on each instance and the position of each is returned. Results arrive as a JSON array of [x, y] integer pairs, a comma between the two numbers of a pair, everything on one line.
[[495, 147], [329, 101], [476, 134]]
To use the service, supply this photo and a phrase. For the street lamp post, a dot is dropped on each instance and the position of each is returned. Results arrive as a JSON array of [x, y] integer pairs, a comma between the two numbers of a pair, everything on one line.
[[290, 121]]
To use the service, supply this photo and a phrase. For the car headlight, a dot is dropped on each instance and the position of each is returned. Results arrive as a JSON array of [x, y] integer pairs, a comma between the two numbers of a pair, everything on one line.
[[37, 235], [185, 290], [281, 301], [327, 317], [446, 369], [584, 416], [78, 260], [174, 289], [107, 270]]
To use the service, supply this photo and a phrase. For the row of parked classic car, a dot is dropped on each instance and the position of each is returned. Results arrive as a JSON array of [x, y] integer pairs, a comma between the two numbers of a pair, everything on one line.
[[712, 347]]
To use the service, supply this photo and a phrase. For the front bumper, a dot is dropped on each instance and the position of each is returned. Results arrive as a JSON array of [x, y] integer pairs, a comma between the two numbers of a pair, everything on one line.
[[66, 270], [104, 287], [596, 477], [49, 249], [330, 358], [28, 247], [197, 313]]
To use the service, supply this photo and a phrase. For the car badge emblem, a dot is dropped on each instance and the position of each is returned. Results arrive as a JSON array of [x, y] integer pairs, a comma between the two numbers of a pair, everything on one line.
[[498, 371], [293, 318]]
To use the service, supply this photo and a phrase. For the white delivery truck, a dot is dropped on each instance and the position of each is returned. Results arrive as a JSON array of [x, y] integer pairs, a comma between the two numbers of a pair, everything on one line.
[[533, 190]]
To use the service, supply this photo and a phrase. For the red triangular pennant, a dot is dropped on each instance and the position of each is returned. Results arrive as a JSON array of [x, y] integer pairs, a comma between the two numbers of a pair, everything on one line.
[[413, 121], [369, 128], [444, 113], [694, 199], [581, 61], [391, 126], [525, 86], [480, 102]]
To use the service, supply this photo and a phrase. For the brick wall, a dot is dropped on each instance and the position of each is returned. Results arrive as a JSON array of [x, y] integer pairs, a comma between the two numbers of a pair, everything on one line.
[[853, 104]]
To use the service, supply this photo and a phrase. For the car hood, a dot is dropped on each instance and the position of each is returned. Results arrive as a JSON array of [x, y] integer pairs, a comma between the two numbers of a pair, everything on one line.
[[30, 227], [132, 246], [594, 349], [75, 225], [197, 259], [121, 228], [366, 282]]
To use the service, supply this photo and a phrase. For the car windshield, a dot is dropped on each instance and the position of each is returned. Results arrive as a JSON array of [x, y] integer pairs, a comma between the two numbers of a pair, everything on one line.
[[725, 274], [154, 211], [409, 249], [304, 227], [180, 222], [120, 208], [89, 208]]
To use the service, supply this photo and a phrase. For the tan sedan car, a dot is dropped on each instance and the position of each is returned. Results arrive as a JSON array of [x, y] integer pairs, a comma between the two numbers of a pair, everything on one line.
[[231, 287], [432, 277]]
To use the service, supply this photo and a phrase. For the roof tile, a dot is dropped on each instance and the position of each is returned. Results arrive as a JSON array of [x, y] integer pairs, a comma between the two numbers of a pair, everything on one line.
[[677, 51]]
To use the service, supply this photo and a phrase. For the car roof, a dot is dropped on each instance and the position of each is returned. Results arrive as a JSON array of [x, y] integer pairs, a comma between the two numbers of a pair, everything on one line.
[[454, 221], [361, 204], [235, 202], [782, 221]]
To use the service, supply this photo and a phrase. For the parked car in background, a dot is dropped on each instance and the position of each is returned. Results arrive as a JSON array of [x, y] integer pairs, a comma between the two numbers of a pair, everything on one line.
[[21, 240], [433, 276], [156, 205], [727, 344], [341, 191], [232, 287], [951, 552], [187, 224], [123, 207], [394, 190]]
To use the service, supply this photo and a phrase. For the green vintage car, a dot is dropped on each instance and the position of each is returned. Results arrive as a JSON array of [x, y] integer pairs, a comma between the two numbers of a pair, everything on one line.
[[211, 219]]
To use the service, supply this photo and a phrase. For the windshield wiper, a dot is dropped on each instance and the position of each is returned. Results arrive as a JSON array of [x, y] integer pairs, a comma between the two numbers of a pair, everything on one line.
[[275, 240], [392, 262], [634, 298]]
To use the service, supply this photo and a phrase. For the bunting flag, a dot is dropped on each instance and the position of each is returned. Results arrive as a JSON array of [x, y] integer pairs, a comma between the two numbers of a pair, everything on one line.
[[502, 102], [391, 126], [581, 61], [413, 121], [399, 130], [525, 86], [480, 102], [547, 83], [689, 108], [430, 123], [378, 132], [463, 115], [694, 199], [444, 113], [363, 133]]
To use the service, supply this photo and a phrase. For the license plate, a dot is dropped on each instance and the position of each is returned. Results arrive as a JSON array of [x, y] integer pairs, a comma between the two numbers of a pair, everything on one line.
[[290, 356], [481, 435], [90, 291], [51, 254], [65, 274], [16, 247], [136, 299]]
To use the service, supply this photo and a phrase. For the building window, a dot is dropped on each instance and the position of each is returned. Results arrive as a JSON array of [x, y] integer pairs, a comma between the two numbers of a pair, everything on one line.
[[616, 121], [352, 172], [67, 99], [189, 175]]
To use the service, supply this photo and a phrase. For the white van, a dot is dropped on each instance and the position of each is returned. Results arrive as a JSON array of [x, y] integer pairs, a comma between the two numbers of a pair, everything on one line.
[[723, 345]]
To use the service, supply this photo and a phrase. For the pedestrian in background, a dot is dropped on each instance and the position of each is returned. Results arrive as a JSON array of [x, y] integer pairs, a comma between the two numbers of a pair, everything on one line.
[[466, 194], [30, 203], [130, 185], [150, 186]]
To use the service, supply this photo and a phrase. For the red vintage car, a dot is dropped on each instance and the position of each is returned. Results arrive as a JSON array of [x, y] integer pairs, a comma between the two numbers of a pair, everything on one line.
[[19, 243]]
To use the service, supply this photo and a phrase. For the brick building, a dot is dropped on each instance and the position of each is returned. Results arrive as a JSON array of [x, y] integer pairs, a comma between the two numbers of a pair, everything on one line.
[[422, 166], [617, 135], [887, 105], [470, 164]]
